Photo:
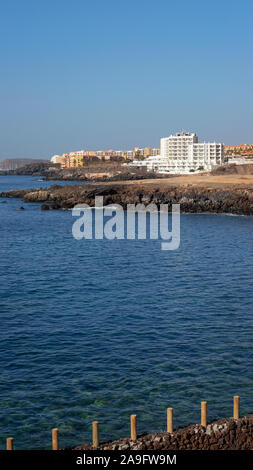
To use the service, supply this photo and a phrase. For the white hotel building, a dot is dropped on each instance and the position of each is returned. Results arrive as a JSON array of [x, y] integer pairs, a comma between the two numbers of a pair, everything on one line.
[[183, 153]]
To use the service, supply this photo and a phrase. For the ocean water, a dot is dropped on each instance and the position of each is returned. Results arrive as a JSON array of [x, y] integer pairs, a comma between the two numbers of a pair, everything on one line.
[[99, 329]]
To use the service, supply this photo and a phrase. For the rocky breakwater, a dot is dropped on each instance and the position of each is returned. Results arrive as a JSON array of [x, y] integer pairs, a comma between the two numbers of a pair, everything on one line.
[[225, 434], [195, 199]]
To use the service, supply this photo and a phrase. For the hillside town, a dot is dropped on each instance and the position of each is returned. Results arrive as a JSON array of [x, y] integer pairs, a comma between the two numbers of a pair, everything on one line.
[[180, 153], [82, 157]]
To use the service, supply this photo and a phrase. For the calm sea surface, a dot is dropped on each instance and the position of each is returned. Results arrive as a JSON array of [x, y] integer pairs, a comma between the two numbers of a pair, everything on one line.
[[102, 329]]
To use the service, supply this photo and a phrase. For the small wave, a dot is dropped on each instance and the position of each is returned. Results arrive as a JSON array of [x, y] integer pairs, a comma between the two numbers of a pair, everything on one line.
[[234, 215]]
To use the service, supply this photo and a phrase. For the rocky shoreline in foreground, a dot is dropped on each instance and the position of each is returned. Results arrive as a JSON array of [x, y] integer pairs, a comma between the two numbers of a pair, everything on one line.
[[192, 198], [222, 434]]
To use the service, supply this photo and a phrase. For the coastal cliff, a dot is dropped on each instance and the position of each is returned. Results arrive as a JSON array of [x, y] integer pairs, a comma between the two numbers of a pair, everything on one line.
[[192, 198]]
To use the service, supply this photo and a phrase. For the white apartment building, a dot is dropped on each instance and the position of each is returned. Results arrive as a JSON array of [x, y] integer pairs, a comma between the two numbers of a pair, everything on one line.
[[205, 155], [152, 163], [175, 147], [185, 154]]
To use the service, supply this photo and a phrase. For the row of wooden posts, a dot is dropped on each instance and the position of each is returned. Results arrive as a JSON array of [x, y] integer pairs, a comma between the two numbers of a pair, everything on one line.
[[133, 425]]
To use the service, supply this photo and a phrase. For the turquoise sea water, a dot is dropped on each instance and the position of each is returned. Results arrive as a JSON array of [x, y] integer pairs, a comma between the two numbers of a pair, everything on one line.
[[101, 329]]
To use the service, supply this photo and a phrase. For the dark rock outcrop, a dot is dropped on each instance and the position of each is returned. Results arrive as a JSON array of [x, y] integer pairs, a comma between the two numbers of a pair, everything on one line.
[[223, 434], [45, 207], [195, 199], [100, 171]]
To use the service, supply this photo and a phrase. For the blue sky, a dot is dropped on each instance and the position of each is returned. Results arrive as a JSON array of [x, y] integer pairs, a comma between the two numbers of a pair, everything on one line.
[[96, 74]]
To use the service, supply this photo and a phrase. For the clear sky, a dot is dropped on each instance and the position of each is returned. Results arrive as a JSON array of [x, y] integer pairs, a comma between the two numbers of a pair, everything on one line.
[[85, 74]]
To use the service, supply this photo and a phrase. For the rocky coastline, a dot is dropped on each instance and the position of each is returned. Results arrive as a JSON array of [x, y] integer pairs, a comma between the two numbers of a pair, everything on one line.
[[192, 198], [222, 434], [99, 171]]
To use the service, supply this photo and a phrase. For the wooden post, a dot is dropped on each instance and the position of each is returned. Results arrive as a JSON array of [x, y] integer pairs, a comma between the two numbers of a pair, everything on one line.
[[236, 413], [55, 439], [170, 420], [9, 443], [203, 413], [95, 434], [133, 421]]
